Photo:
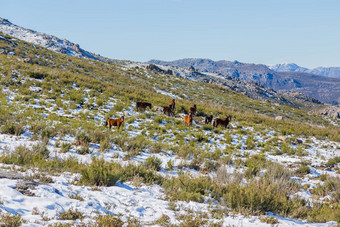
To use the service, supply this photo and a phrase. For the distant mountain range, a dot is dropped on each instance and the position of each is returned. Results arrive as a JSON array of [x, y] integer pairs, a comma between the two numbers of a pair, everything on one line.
[[325, 89], [321, 71]]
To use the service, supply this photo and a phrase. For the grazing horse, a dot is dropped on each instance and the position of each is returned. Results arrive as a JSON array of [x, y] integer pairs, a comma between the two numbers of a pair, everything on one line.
[[188, 120], [114, 122], [193, 109], [167, 110], [172, 104], [143, 105], [208, 119], [223, 122]]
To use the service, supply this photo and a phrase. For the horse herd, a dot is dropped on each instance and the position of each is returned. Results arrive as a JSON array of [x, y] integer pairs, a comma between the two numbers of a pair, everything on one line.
[[170, 110]]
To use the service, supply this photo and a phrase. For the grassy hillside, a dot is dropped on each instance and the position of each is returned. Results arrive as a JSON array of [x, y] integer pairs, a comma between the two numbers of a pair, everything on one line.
[[60, 104]]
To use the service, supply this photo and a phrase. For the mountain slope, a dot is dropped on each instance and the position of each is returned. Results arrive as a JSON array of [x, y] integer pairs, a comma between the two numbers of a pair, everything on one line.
[[60, 165], [287, 67], [51, 42], [321, 71], [317, 87]]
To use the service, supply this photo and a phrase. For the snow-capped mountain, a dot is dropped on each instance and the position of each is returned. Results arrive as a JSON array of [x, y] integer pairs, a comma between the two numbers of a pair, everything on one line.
[[326, 71], [287, 67], [292, 67], [51, 42]]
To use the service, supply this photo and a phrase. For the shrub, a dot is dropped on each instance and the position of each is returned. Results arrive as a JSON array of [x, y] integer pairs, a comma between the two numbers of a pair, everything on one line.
[[170, 165], [65, 147], [254, 164], [37, 75], [250, 143], [302, 170], [82, 138], [70, 215], [47, 133], [12, 128], [97, 136], [14, 220], [84, 150], [105, 144], [186, 188], [108, 220], [41, 149], [333, 161], [76, 196], [100, 173], [269, 220], [156, 147], [153, 163]]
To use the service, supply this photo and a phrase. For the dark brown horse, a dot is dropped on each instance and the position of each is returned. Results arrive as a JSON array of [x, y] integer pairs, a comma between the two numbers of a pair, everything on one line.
[[114, 122], [223, 122], [168, 110], [143, 105], [172, 104], [208, 119], [193, 109], [188, 120]]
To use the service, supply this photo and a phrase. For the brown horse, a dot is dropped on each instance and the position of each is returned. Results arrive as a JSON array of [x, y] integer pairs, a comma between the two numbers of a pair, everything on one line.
[[223, 122], [167, 110], [114, 122], [188, 120], [208, 119], [193, 109], [143, 105], [172, 104]]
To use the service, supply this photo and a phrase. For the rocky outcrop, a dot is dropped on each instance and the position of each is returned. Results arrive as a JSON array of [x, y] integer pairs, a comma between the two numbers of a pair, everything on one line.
[[157, 69], [331, 111], [317, 87]]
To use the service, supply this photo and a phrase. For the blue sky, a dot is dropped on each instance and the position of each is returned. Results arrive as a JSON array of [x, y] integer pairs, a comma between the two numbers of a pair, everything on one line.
[[306, 32]]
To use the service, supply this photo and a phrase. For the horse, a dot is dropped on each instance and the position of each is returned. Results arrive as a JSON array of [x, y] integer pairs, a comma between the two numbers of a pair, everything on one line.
[[188, 120], [143, 105], [208, 119], [172, 104], [167, 110], [114, 122], [193, 109], [223, 122]]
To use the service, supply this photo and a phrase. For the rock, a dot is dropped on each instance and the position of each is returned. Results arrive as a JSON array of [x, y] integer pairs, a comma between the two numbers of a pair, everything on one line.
[[28, 60], [154, 68], [282, 138], [10, 174], [278, 118], [298, 141], [331, 111], [25, 187], [191, 68]]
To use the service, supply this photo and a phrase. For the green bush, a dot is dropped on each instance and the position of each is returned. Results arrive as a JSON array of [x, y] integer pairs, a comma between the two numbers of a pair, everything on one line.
[[70, 215], [41, 149], [82, 138], [108, 220], [302, 170], [12, 128], [84, 150], [12, 220], [65, 147], [100, 173], [333, 161], [153, 163]]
